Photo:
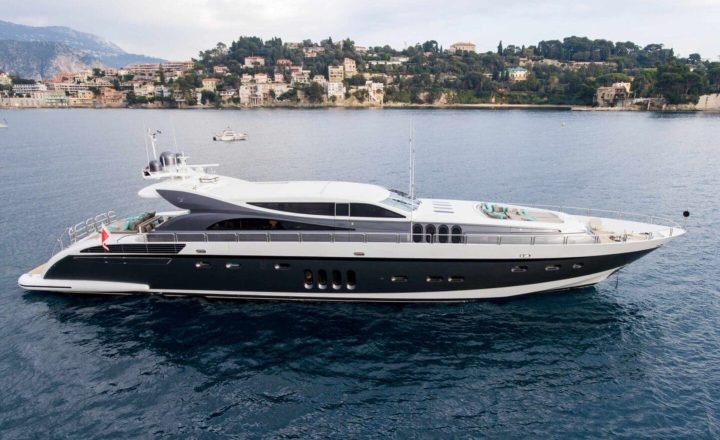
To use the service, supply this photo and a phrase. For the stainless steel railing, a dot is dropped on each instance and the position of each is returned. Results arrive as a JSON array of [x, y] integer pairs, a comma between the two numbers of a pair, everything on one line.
[[362, 237], [81, 230]]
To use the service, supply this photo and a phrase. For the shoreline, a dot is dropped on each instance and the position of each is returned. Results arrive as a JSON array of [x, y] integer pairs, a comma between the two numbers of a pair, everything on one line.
[[389, 106]]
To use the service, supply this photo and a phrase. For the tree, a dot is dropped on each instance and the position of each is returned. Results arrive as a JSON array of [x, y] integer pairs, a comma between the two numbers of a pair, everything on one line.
[[315, 93], [500, 48]]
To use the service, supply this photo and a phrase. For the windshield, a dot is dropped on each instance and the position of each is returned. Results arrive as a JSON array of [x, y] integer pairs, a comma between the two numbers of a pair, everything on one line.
[[399, 199]]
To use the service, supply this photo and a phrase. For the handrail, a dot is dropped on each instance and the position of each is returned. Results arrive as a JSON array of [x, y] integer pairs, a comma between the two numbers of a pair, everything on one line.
[[82, 229], [398, 237]]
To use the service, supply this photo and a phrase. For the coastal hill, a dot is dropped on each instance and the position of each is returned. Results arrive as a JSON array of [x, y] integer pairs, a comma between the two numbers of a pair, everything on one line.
[[41, 52]]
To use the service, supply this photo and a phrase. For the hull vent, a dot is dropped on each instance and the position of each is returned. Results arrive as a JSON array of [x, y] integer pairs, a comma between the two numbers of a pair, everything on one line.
[[170, 248]]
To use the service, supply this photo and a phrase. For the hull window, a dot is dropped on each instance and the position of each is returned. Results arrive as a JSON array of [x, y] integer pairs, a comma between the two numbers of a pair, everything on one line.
[[202, 265], [578, 265], [434, 279], [351, 280], [399, 279], [232, 266], [430, 233], [552, 268], [417, 233], [322, 280], [336, 280], [443, 233], [456, 234], [308, 277], [282, 266], [456, 279], [519, 269]]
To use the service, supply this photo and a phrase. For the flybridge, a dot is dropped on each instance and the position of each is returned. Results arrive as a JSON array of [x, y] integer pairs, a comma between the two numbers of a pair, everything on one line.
[[172, 165]]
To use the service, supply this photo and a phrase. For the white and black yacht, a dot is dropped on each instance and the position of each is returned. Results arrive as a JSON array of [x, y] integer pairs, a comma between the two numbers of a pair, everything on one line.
[[337, 241]]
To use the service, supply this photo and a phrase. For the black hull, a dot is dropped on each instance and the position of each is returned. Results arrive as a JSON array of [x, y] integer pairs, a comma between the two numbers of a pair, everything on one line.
[[331, 277]]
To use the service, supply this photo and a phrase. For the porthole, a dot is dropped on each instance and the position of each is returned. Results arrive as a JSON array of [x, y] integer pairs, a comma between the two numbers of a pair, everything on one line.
[[308, 278], [399, 279], [232, 266], [282, 266], [202, 265], [519, 269], [443, 233], [578, 265], [336, 280], [456, 234], [434, 279], [417, 233], [322, 279], [456, 279], [430, 233], [552, 268], [351, 280]]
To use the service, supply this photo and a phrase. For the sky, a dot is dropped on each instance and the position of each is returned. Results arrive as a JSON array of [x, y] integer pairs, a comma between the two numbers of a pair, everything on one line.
[[179, 29]]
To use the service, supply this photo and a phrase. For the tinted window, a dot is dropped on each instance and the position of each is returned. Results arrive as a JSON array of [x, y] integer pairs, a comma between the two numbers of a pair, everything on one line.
[[367, 210], [265, 224], [342, 209], [300, 208]]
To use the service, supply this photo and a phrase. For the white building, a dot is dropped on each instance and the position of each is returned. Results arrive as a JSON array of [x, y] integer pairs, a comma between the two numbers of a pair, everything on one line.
[[336, 89], [26, 89]]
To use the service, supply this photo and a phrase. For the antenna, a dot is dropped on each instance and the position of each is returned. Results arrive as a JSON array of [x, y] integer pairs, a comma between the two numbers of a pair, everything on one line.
[[172, 124], [411, 174], [147, 153]]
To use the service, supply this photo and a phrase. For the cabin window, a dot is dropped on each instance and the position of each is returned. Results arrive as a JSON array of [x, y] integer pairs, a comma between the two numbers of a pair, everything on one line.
[[308, 278], [368, 210], [417, 233], [351, 280], [322, 279], [552, 268], [265, 224], [300, 208], [342, 209], [430, 233], [456, 234], [443, 233], [336, 279]]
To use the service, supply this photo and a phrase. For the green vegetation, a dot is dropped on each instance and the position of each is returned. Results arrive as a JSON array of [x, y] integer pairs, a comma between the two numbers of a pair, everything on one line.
[[559, 72]]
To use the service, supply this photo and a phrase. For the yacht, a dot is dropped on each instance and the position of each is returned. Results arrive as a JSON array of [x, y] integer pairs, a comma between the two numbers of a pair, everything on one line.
[[228, 135], [3, 123], [337, 241]]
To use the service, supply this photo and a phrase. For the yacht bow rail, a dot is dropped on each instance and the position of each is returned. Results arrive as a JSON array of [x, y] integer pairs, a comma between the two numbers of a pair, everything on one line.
[[606, 213]]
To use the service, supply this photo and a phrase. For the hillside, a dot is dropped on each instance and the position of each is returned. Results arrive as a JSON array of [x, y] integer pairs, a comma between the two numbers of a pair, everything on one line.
[[40, 52]]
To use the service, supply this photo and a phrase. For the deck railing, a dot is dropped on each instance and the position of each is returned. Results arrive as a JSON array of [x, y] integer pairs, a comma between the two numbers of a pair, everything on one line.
[[81, 230], [371, 237]]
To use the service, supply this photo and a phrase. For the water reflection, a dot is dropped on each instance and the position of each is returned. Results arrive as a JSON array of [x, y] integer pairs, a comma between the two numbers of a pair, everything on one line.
[[221, 338]]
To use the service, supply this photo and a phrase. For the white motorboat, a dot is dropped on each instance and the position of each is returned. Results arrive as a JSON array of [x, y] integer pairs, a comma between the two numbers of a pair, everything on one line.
[[337, 241], [229, 135]]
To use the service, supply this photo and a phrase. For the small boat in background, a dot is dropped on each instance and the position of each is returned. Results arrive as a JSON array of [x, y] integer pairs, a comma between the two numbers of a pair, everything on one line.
[[3, 123], [229, 135]]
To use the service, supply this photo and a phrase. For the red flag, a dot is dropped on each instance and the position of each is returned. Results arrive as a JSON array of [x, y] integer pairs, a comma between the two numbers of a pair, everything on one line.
[[104, 235]]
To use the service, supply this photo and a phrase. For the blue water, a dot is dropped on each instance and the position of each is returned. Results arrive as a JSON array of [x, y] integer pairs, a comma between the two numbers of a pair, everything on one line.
[[637, 357]]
